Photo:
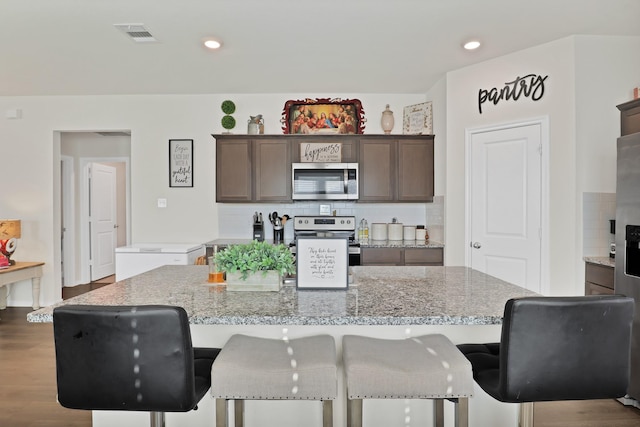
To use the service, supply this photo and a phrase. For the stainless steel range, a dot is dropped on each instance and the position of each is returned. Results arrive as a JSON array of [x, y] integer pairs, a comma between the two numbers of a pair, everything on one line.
[[328, 226]]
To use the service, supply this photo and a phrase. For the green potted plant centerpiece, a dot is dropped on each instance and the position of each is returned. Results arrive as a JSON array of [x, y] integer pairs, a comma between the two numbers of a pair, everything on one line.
[[255, 266]]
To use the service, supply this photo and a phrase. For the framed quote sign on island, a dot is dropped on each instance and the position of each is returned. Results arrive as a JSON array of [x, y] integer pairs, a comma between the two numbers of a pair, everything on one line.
[[322, 263]]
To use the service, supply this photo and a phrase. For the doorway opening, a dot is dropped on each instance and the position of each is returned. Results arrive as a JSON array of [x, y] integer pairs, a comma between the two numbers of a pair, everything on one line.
[[85, 257]]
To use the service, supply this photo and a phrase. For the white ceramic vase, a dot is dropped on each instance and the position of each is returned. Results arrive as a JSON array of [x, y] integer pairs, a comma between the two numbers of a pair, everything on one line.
[[387, 121]]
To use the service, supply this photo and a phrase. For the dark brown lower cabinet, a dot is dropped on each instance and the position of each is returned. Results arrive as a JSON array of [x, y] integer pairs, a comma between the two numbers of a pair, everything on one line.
[[598, 279], [402, 256]]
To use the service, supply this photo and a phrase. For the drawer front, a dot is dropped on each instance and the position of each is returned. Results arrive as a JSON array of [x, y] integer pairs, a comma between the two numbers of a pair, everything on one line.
[[381, 256], [593, 289], [423, 256], [599, 274]]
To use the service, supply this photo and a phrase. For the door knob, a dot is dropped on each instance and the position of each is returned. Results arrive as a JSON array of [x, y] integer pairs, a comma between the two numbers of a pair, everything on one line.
[[476, 245]]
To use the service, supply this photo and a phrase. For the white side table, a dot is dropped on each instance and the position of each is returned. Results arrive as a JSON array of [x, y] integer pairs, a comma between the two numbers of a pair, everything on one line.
[[18, 272]]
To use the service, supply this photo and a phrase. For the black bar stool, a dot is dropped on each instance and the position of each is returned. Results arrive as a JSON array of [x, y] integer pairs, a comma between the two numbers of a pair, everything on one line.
[[129, 358]]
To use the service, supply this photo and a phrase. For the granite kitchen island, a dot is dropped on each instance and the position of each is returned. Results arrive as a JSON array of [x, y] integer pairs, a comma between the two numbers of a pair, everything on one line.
[[386, 302]]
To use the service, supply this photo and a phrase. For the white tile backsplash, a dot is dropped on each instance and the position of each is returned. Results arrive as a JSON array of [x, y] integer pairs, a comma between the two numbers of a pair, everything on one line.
[[236, 219], [597, 210]]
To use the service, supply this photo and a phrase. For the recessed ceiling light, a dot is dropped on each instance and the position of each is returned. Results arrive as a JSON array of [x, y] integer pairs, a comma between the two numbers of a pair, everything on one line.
[[471, 45], [212, 44]]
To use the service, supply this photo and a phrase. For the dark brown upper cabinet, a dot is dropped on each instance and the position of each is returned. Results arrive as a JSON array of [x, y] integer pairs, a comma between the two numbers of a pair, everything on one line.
[[257, 168], [397, 169]]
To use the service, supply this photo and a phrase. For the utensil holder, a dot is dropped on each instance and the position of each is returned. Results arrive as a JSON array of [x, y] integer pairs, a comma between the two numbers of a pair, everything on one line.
[[278, 235]]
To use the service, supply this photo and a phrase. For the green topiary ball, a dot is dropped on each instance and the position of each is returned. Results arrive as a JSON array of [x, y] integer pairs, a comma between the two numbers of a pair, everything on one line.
[[228, 122], [228, 107]]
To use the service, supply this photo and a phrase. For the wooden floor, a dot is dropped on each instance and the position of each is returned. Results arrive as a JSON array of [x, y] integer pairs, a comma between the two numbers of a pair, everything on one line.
[[28, 384]]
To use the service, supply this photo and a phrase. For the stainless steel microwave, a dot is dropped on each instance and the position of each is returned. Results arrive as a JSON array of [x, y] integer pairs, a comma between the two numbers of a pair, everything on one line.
[[324, 181]]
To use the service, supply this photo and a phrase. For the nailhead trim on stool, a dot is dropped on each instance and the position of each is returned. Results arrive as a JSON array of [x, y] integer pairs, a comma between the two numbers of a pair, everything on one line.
[[425, 367], [253, 368]]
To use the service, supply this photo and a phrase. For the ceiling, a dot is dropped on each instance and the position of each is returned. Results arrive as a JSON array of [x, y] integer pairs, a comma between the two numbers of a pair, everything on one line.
[[332, 47]]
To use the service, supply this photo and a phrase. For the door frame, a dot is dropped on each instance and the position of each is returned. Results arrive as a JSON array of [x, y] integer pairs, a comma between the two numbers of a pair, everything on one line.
[[85, 234], [68, 220], [543, 122]]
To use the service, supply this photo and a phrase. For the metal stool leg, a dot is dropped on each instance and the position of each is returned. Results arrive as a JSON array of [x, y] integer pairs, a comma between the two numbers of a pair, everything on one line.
[[354, 412], [157, 419], [238, 412], [222, 416], [462, 412], [438, 412], [327, 413], [526, 414]]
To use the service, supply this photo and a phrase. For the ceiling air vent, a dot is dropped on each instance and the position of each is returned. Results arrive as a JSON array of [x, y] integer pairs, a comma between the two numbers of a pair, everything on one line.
[[137, 32]]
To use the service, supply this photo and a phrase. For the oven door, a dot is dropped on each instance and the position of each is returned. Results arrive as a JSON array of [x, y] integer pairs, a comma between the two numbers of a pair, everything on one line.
[[324, 181]]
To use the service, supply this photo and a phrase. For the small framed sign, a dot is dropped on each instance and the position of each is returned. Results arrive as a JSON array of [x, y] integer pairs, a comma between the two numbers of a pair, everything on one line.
[[418, 119], [181, 163], [320, 152], [322, 263]]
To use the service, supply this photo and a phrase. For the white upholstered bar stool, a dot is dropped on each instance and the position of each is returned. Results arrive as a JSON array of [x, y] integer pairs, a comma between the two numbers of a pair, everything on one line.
[[425, 367], [252, 368]]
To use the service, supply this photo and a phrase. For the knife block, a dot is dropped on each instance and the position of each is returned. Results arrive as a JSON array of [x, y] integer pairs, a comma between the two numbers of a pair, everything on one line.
[[258, 231]]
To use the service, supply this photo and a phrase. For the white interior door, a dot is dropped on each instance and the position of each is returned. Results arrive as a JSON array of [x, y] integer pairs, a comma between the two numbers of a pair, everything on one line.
[[102, 219], [505, 212]]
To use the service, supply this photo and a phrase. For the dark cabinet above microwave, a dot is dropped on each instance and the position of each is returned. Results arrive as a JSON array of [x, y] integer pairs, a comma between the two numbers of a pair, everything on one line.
[[258, 168]]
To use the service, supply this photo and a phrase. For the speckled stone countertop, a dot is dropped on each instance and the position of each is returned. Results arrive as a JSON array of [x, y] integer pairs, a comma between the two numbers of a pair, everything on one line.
[[378, 296], [606, 261]]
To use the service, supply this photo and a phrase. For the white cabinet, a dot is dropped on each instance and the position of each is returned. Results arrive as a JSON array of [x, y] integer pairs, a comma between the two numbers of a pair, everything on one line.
[[141, 257]]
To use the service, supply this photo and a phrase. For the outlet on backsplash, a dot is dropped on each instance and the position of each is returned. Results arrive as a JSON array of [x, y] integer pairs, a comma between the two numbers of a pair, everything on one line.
[[597, 210]]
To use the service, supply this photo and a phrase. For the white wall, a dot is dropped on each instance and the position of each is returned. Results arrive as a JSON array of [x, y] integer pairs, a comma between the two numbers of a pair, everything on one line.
[[607, 69], [577, 90], [30, 179]]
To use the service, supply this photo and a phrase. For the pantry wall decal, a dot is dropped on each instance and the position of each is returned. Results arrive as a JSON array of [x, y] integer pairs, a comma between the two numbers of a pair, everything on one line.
[[529, 86]]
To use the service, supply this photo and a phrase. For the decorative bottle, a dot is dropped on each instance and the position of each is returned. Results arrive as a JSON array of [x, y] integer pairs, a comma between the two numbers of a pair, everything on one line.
[[387, 120]]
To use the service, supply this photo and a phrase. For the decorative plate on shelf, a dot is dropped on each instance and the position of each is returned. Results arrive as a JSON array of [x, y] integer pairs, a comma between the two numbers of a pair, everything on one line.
[[418, 119]]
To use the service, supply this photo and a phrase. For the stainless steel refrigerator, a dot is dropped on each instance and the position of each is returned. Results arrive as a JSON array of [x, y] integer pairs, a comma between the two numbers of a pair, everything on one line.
[[627, 278]]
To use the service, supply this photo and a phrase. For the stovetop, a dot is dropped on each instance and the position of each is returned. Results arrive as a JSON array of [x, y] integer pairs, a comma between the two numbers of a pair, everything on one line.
[[326, 226], [324, 223]]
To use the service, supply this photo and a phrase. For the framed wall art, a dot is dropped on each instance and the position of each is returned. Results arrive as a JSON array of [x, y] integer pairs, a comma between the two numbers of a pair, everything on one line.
[[418, 119], [322, 263], [323, 116], [181, 163]]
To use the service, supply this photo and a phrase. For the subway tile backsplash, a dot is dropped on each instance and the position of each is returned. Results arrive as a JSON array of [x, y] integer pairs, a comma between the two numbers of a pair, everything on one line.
[[597, 210], [235, 220]]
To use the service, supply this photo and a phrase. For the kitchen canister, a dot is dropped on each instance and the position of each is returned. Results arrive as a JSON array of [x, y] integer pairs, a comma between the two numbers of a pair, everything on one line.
[[421, 233], [395, 231], [409, 232], [378, 231]]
